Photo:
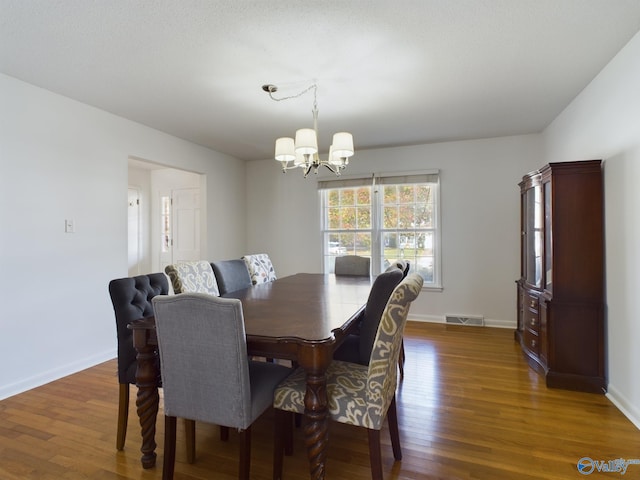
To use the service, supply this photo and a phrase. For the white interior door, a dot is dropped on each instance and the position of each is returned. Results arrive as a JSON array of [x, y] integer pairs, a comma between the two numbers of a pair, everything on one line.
[[186, 224]]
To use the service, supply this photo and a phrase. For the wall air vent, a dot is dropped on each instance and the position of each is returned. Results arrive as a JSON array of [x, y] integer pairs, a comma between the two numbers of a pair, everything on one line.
[[474, 320]]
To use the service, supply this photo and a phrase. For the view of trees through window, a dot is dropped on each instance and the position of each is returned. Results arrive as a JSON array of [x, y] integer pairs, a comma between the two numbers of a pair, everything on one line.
[[385, 223]]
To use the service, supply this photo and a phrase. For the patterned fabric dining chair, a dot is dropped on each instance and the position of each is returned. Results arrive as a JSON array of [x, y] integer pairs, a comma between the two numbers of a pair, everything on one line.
[[260, 268], [353, 265], [405, 266], [207, 375], [357, 394], [131, 299], [192, 277]]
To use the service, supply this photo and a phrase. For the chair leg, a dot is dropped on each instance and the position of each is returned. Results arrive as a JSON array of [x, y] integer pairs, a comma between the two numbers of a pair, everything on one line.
[[169, 448], [245, 454], [401, 359], [392, 418], [290, 420], [375, 457], [190, 433], [280, 426], [123, 415]]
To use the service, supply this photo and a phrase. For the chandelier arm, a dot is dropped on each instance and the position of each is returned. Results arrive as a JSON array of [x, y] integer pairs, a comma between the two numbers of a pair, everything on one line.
[[335, 170], [307, 169], [286, 166]]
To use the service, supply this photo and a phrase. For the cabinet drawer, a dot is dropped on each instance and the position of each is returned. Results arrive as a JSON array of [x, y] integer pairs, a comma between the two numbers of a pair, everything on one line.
[[531, 302], [532, 342], [532, 321]]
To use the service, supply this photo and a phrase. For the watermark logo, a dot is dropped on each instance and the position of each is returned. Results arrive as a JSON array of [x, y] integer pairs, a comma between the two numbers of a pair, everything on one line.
[[586, 466]]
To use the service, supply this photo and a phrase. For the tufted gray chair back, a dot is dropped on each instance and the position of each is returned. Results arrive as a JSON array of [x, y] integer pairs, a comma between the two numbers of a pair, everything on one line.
[[131, 299]]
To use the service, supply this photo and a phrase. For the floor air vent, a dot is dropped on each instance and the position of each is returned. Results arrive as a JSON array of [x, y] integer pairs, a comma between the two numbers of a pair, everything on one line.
[[464, 320]]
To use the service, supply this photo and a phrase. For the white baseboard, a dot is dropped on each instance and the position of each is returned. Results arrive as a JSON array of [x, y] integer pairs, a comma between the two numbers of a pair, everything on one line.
[[624, 405], [488, 322], [43, 378]]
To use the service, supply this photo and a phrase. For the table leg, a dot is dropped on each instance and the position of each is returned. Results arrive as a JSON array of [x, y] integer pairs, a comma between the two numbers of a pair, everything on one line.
[[147, 401], [316, 428]]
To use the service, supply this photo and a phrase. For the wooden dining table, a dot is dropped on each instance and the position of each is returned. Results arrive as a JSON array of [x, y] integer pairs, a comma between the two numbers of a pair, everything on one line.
[[302, 318]]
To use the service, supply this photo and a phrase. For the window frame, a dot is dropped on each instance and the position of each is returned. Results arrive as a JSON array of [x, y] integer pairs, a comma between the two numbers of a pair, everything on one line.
[[377, 182]]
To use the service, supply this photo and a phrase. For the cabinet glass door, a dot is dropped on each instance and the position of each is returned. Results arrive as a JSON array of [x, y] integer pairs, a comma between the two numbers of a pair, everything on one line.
[[548, 232], [533, 234]]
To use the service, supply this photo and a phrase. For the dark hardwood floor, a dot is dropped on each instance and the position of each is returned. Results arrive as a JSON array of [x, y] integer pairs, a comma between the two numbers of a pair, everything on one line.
[[469, 408]]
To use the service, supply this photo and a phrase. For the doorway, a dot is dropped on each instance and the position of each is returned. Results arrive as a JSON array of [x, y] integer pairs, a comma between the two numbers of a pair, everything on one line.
[[170, 206]]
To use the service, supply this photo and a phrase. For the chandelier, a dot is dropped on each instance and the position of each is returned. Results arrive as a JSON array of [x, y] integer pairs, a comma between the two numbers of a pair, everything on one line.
[[303, 151]]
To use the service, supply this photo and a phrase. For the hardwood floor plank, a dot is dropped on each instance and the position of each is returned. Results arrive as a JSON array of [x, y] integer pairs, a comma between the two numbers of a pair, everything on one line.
[[469, 408]]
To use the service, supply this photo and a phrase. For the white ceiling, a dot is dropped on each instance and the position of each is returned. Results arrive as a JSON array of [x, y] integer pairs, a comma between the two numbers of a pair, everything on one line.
[[391, 72]]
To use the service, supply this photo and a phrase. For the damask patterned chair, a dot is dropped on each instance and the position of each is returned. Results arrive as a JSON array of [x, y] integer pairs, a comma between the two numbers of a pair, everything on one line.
[[357, 394], [207, 375], [353, 265], [131, 299], [193, 277], [231, 275], [403, 265], [260, 268]]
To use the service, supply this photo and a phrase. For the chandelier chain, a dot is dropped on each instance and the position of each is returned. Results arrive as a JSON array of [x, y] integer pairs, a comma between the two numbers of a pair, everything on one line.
[[313, 87]]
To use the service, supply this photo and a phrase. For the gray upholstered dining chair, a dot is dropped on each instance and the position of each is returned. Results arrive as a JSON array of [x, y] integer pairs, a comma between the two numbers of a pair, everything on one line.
[[260, 268], [358, 395], [231, 275], [131, 299], [356, 347], [206, 373], [403, 265], [192, 277], [353, 265]]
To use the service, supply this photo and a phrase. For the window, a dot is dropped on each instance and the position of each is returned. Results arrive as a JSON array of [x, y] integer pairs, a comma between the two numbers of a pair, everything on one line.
[[386, 218]]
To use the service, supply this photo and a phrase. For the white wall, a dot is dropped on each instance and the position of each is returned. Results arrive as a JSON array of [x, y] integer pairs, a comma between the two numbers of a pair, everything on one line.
[[61, 159], [480, 219], [604, 122]]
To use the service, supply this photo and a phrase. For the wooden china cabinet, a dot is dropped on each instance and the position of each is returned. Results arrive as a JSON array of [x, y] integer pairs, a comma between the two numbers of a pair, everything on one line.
[[561, 287]]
